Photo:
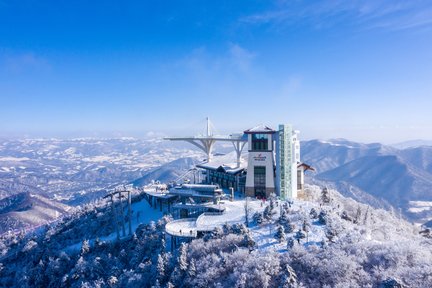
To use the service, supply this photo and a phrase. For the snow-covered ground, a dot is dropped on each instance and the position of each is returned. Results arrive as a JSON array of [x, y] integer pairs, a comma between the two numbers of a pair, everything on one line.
[[143, 213], [263, 234]]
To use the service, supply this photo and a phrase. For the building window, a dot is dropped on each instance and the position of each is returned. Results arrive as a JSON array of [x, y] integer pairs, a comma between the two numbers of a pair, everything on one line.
[[260, 181], [260, 142], [259, 176]]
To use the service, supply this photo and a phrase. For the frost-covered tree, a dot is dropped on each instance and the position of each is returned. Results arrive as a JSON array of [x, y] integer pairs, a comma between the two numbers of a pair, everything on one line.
[[157, 284], [289, 277], [290, 243], [280, 234], [325, 196], [268, 213], [216, 233], [247, 210], [357, 216], [313, 214], [345, 216], [306, 225], [248, 242], [322, 217], [85, 247], [366, 216], [160, 268], [289, 227], [299, 235], [112, 281], [182, 258], [272, 202], [283, 218], [239, 229], [258, 218], [191, 272], [390, 283]]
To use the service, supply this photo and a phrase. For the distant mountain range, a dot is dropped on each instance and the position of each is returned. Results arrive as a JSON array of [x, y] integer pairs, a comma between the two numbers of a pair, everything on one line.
[[77, 171], [401, 178], [412, 144], [27, 211], [168, 172]]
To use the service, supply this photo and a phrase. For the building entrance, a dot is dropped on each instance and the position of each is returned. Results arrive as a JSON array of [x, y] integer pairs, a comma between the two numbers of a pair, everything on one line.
[[260, 181]]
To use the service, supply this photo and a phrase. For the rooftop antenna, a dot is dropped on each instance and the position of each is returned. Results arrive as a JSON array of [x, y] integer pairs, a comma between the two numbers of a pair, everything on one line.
[[208, 127]]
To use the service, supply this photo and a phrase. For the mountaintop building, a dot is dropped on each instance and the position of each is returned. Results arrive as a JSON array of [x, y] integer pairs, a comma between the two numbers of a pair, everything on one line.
[[272, 163]]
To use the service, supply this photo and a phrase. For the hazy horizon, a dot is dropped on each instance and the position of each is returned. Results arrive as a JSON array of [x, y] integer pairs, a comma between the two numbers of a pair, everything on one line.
[[146, 134]]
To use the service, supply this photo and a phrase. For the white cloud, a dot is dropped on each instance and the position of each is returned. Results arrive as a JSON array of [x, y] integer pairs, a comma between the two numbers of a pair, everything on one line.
[[203, 62], [23, 62], [394, 15], [240, 57]]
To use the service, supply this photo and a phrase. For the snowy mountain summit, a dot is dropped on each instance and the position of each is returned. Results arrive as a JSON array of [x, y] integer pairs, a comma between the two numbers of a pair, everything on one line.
[[324, 240]]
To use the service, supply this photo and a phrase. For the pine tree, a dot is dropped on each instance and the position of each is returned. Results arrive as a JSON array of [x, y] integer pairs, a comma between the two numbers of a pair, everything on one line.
[[247, 210], [248, 242], [258, 218], [289, 227], [345, 216], [160, 267], [283, 218], [358, 215], [112, 281], [300, 235], [267, 213], [182, 258], [289, 278], [325, 197], [272, 204], [322, 217], [157, 284], [366, 216], [280, 234], [290, 243], [85, 247], [192, 269], [306, 226], [313, 214]]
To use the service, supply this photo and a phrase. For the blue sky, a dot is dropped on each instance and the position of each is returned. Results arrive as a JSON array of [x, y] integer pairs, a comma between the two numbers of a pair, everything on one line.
[[360, 70]]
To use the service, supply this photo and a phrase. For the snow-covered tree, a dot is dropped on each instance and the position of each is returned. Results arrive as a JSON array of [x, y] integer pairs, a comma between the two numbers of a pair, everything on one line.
[[182, 258], [191, 272], [290, 243], [299, 235], [357, 216], [258, 218], [289, 277], [268, 213], [325, 196], [322, 217], [280, 234], [239, 229], [313, 214], [391, 283], [160, 268], [85, 247], [112, 281], [248, 242], [306, 225], [345, 216], [283, 218], [247, 210]]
